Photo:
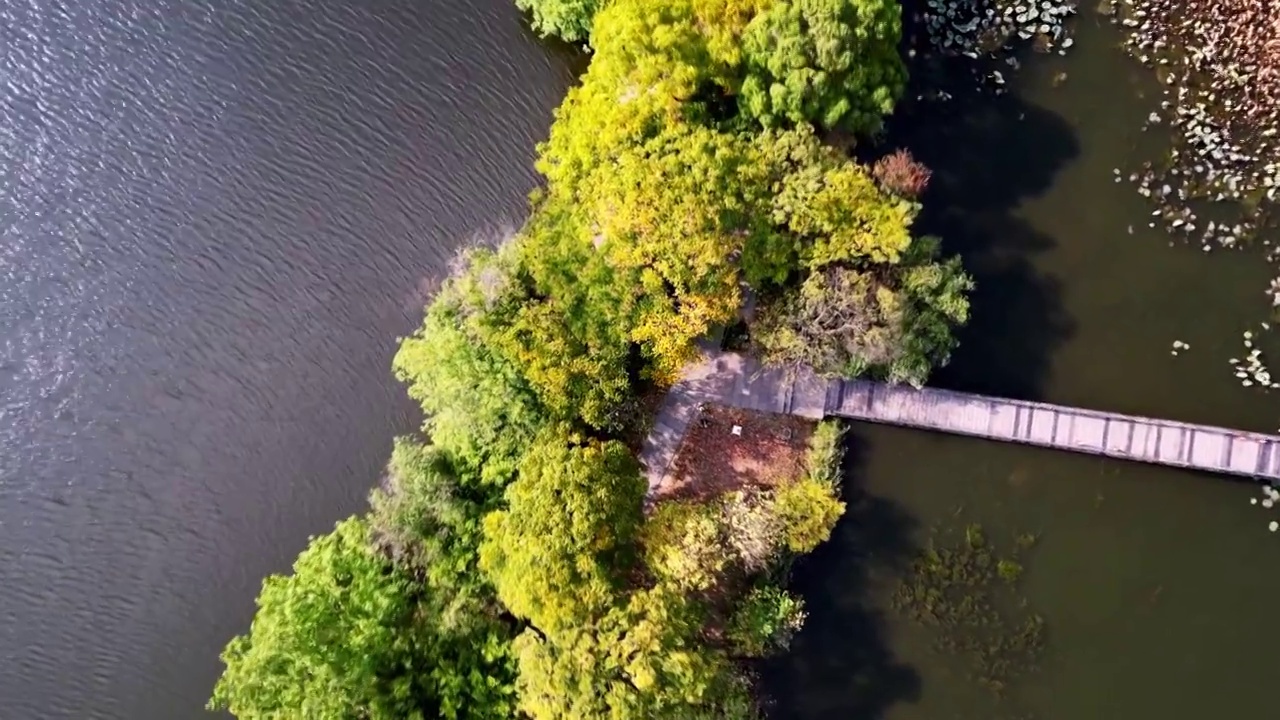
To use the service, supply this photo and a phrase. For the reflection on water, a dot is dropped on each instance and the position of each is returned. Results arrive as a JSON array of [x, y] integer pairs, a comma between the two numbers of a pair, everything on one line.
[[215, 218]]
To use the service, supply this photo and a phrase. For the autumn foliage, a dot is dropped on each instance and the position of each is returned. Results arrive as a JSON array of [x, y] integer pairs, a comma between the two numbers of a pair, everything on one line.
[[899, 173]]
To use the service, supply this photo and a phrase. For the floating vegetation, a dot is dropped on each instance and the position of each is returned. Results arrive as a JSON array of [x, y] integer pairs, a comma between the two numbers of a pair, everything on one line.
[[1270, 498], [1009, 570], [966, 591], [1218, 61], [1252, 370], [995, 29]]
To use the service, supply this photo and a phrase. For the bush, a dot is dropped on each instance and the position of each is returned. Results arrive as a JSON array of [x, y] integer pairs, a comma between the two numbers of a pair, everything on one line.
[[751, 528], [826, 453], [807, 510], [899, 173], [765, 622]]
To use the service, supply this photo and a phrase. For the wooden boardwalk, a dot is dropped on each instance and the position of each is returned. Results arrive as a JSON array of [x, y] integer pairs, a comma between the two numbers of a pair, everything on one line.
[[738, 381]]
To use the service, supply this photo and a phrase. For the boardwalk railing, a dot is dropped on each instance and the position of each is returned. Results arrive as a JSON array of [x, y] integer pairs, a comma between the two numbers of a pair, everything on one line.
[[739, 381]]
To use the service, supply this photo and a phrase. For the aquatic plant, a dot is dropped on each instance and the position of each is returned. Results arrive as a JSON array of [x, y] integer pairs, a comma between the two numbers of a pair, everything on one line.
[[1009, 570], [1218, 62], [963, 589], [994, 29], [1270, 498]]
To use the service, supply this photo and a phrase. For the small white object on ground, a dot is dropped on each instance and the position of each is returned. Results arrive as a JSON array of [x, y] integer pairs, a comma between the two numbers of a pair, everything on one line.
[[737, 430], [1274, 526]]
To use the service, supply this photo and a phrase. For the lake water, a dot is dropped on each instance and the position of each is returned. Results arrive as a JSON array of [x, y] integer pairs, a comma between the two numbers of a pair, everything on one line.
[[1156, 584], [215, 219]]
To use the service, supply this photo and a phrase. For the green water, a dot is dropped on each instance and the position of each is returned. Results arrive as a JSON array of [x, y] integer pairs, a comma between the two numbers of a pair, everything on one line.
[[1158, 586]]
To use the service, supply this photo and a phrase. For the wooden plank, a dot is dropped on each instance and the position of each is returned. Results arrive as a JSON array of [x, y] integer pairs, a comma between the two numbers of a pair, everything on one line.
[[735, 380]]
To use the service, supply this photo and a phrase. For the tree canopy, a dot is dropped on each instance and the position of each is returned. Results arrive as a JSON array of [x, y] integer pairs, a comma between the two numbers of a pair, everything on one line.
[[347, 636], [570, 20], [844, 321], [830, 62], [559, 550]]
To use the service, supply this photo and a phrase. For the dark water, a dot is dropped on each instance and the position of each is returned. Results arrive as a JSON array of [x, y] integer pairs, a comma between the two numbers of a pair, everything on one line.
[[1157, 585], [215, 219]]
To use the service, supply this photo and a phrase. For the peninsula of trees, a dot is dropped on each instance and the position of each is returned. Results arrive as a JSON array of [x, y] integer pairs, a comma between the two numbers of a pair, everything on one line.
[[508, 566]]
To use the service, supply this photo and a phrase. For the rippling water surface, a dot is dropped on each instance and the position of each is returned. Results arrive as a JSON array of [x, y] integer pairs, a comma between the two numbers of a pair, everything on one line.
[[215, 218]]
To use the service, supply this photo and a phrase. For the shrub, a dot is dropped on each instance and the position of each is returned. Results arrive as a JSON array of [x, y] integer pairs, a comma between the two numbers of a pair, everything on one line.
[[826, 453], [753, 530], [899, 173], [765, 621], [806, 510]]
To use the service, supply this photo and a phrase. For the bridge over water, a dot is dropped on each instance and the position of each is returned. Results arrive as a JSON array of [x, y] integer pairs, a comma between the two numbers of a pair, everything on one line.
[[739, 381]]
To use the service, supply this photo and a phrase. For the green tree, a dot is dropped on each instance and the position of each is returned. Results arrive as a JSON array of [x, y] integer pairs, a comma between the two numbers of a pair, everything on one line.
[[558, 553], [347, 636], [570, 335], [832, 205], [650, 62], [830, 62], [479, 405], [426, 517], [896, 323], [807, 510], [673, 215], [646, 659], [570, 20]]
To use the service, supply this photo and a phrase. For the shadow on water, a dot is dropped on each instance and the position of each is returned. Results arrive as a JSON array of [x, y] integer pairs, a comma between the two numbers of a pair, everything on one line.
[[989, 154], [840, 665]]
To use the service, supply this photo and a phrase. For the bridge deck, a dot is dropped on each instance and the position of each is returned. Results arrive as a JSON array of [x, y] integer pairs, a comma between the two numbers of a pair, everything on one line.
[[739, 381]]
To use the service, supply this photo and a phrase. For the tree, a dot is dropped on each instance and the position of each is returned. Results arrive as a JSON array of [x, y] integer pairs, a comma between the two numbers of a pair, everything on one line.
[[569, 336], [685, 545], [570, 20], [673, 215], [346, 636], [833, 205], [651, 62], [643, 660], [897, 323], [479, 405], [426, 518], [558, 553], [830, 62], [806, 510]]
